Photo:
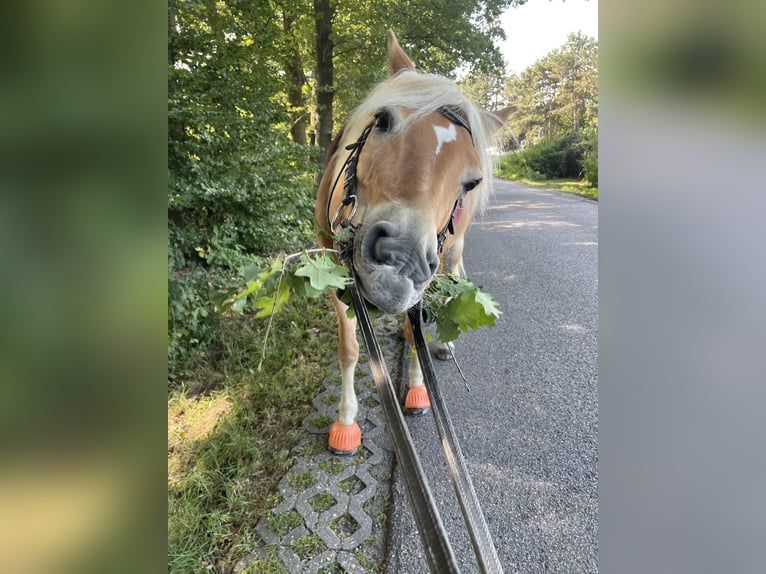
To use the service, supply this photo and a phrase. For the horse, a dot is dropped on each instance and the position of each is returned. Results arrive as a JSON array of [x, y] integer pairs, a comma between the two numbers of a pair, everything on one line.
[[420, 168]]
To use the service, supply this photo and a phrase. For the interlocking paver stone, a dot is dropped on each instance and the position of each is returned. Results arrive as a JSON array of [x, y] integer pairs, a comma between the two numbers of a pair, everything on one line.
[[353, 529]]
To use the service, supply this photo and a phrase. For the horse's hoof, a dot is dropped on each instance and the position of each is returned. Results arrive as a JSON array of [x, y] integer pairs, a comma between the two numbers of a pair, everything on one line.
[[344, 439], [417, 402], [442, 351]]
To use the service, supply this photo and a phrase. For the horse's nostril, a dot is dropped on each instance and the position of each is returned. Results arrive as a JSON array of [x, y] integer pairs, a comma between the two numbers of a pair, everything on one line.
[[376, 248], [433, 262]]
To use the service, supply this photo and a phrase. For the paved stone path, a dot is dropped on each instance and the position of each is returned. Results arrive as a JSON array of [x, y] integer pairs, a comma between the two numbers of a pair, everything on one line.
[[333, 510]]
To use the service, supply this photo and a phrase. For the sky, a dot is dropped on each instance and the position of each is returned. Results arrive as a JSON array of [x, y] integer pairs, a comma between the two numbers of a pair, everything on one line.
[[537, 27]]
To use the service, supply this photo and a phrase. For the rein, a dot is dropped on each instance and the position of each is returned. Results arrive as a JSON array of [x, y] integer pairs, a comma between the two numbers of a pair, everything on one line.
[[439, 554]]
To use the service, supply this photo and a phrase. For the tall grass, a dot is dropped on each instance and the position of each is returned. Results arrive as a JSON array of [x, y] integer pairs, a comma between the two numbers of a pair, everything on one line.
[[229, 445]]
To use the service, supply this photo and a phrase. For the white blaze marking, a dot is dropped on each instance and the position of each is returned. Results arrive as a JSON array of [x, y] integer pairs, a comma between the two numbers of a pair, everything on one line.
[[444, 135]]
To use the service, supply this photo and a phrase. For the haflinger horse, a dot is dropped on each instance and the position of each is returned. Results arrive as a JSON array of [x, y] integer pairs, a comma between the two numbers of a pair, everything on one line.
[[422, 168]]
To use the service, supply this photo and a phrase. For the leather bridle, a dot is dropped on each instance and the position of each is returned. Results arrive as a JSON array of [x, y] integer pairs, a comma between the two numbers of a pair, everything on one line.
[[348, 171]]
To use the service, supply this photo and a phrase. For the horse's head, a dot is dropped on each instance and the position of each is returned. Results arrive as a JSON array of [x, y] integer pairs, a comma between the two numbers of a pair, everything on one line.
[[423, 154]]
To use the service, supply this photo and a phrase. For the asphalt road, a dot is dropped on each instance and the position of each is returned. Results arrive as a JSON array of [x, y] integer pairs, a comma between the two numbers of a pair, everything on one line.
[[529, 426]]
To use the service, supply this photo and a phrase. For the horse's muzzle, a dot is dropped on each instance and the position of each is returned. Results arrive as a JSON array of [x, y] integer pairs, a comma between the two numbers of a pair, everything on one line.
[[395, 262], [387, 244]]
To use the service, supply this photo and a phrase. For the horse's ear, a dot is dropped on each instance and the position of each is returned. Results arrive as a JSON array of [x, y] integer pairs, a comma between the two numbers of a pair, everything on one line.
[[397, 59], [496, 119]]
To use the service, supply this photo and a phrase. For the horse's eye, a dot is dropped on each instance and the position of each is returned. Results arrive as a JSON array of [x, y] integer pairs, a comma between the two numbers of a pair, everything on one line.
[[471, 184], [383, 121]]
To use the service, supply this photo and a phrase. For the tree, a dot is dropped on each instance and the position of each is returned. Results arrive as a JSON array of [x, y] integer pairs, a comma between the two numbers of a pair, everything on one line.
[[485, 89], [325, 72], [439, 36], [294, 73], [558, 94], [235, 183]]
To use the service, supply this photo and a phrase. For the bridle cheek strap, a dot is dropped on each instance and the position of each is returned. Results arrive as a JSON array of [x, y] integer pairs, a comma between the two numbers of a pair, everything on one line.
[[450, 226], [348, 171]]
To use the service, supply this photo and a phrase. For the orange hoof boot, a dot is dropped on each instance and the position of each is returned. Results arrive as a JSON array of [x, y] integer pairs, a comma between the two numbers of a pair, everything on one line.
[[344, 439], [417, 402]]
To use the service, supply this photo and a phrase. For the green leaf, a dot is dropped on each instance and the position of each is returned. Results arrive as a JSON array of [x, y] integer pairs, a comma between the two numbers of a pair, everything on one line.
[[268, 305], [489, 304], [301, 286], [251, 272], [456, 304], [322, 272], [269, 278], [446, 330], [239, 304], [467, 312]]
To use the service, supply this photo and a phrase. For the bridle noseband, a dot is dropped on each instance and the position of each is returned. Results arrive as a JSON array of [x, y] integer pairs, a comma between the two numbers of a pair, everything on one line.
[[348, 170]]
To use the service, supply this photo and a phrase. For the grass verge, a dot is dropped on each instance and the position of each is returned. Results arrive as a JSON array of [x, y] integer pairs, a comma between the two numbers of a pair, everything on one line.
[[578, 187], [229, 447]]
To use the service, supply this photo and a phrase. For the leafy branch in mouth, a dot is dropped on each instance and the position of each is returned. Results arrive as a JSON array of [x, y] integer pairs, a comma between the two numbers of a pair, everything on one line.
[[453, 303]]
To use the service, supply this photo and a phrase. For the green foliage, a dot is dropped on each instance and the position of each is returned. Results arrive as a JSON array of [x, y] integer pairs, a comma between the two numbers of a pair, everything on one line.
[[456, 304], [238, 188], [245, 204], [322, 272], [551, 159], [513, 165], [568, 157], [589, 162], [314, 272], [438, 36], [556, 158], [236, 185], [192, 318], [557, 95]]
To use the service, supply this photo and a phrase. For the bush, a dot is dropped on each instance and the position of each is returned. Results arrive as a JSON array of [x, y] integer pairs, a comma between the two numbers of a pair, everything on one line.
[[590, 163], [560, 158], [512, 165], [193, 318], [224, 214], [556, 158], [261, 205]]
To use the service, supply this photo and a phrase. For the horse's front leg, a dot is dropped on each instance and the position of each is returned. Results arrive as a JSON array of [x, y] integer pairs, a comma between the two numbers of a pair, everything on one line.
[[416, 402], [345, 435]]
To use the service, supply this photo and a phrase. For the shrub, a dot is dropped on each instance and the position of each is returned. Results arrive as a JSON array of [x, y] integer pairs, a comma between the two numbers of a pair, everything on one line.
[[263, 204], [193, 319], [557, 158], [590, 163], [512, 165], [223, 215]]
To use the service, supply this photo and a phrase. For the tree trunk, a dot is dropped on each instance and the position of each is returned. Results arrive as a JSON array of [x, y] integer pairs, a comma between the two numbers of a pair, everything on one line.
[[175, 126], [296, 79], [325, 90], [171, 33]]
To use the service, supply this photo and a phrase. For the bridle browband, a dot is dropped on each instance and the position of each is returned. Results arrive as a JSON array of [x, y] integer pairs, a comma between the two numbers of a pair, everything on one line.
[[348, 171]]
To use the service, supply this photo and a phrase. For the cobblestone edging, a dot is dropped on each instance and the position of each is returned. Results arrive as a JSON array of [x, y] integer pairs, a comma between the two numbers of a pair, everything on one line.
[[332, 517]]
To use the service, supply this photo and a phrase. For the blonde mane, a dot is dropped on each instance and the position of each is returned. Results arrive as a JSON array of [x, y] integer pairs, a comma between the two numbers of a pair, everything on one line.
[[424, 94]]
